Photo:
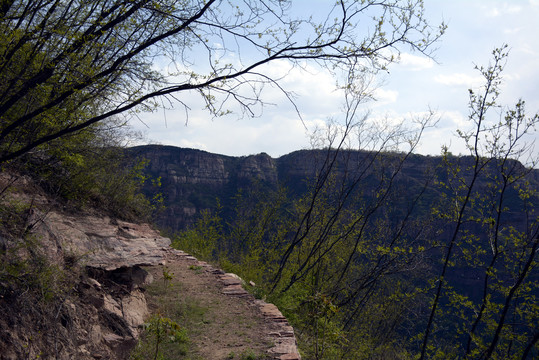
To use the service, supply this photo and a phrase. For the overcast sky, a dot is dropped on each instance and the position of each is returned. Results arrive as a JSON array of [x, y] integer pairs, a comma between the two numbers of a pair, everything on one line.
[[475, 28]]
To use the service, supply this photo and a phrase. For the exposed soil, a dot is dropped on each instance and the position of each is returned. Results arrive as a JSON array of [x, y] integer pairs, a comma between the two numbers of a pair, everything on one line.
[[223, 321]]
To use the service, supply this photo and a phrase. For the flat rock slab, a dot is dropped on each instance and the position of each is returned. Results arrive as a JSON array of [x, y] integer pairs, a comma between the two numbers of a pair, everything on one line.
[[235, 290], [229, 281], [101, 242]]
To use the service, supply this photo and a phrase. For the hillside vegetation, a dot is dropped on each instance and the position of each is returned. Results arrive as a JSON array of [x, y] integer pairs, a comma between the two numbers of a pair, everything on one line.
[[354, 265], [390, 255], [371, 251]]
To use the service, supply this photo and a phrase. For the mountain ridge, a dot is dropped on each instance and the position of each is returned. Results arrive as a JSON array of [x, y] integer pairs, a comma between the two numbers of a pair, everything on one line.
[[196, 180]]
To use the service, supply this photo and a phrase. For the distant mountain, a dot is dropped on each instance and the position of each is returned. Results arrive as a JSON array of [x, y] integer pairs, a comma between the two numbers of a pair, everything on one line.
[[194, 180]]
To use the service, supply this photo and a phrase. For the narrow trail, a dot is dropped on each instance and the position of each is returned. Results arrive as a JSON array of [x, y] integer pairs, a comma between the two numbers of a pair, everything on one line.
[[223, 320]]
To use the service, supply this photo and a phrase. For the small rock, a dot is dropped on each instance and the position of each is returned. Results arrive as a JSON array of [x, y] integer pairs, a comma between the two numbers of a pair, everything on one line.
[[94, 283], [112, 339]]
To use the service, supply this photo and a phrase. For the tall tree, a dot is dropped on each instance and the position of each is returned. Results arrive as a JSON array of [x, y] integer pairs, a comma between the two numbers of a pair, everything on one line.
[[497, 319], [68, 64], [374, 264]]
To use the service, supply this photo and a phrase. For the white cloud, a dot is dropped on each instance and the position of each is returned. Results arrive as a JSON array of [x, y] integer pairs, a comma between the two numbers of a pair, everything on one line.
[[303, 81], [452, 120], [509, 77], [276, 132], [185, 143], [505, 9], [444, 134], [494, 12], [459, 79], [385, 97], [528, 49], [415, 63], [512, 9], [512, 30], [413, 84]]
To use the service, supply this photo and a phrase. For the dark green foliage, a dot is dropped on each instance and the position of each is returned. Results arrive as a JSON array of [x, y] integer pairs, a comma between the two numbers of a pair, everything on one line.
[[27, 274], [374, 261], [90, 169], [377, 304], [202, 240]]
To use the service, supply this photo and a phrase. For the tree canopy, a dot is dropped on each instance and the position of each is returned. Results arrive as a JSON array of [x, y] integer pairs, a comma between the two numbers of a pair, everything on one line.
[[66, 65]]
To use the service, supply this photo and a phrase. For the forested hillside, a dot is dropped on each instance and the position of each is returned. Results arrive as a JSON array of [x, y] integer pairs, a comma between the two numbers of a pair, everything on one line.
[[192, 181], [351, 244]]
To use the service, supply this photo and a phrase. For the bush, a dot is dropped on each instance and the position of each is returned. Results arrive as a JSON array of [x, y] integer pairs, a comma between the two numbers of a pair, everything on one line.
[[160, 333]]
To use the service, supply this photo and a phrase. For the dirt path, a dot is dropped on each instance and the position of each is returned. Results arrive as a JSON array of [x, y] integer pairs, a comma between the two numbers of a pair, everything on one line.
[[222, 319]]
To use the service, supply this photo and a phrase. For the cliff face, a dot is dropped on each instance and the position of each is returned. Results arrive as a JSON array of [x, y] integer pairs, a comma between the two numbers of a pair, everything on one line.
[[193, 180], [196, 167]]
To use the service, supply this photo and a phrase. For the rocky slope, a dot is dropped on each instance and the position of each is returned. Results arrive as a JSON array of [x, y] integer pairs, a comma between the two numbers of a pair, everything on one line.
[[239, 324], [92, 269], [89, 299]]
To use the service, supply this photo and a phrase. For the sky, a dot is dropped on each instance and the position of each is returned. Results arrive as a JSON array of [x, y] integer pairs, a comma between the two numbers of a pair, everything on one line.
[[409, 89]]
